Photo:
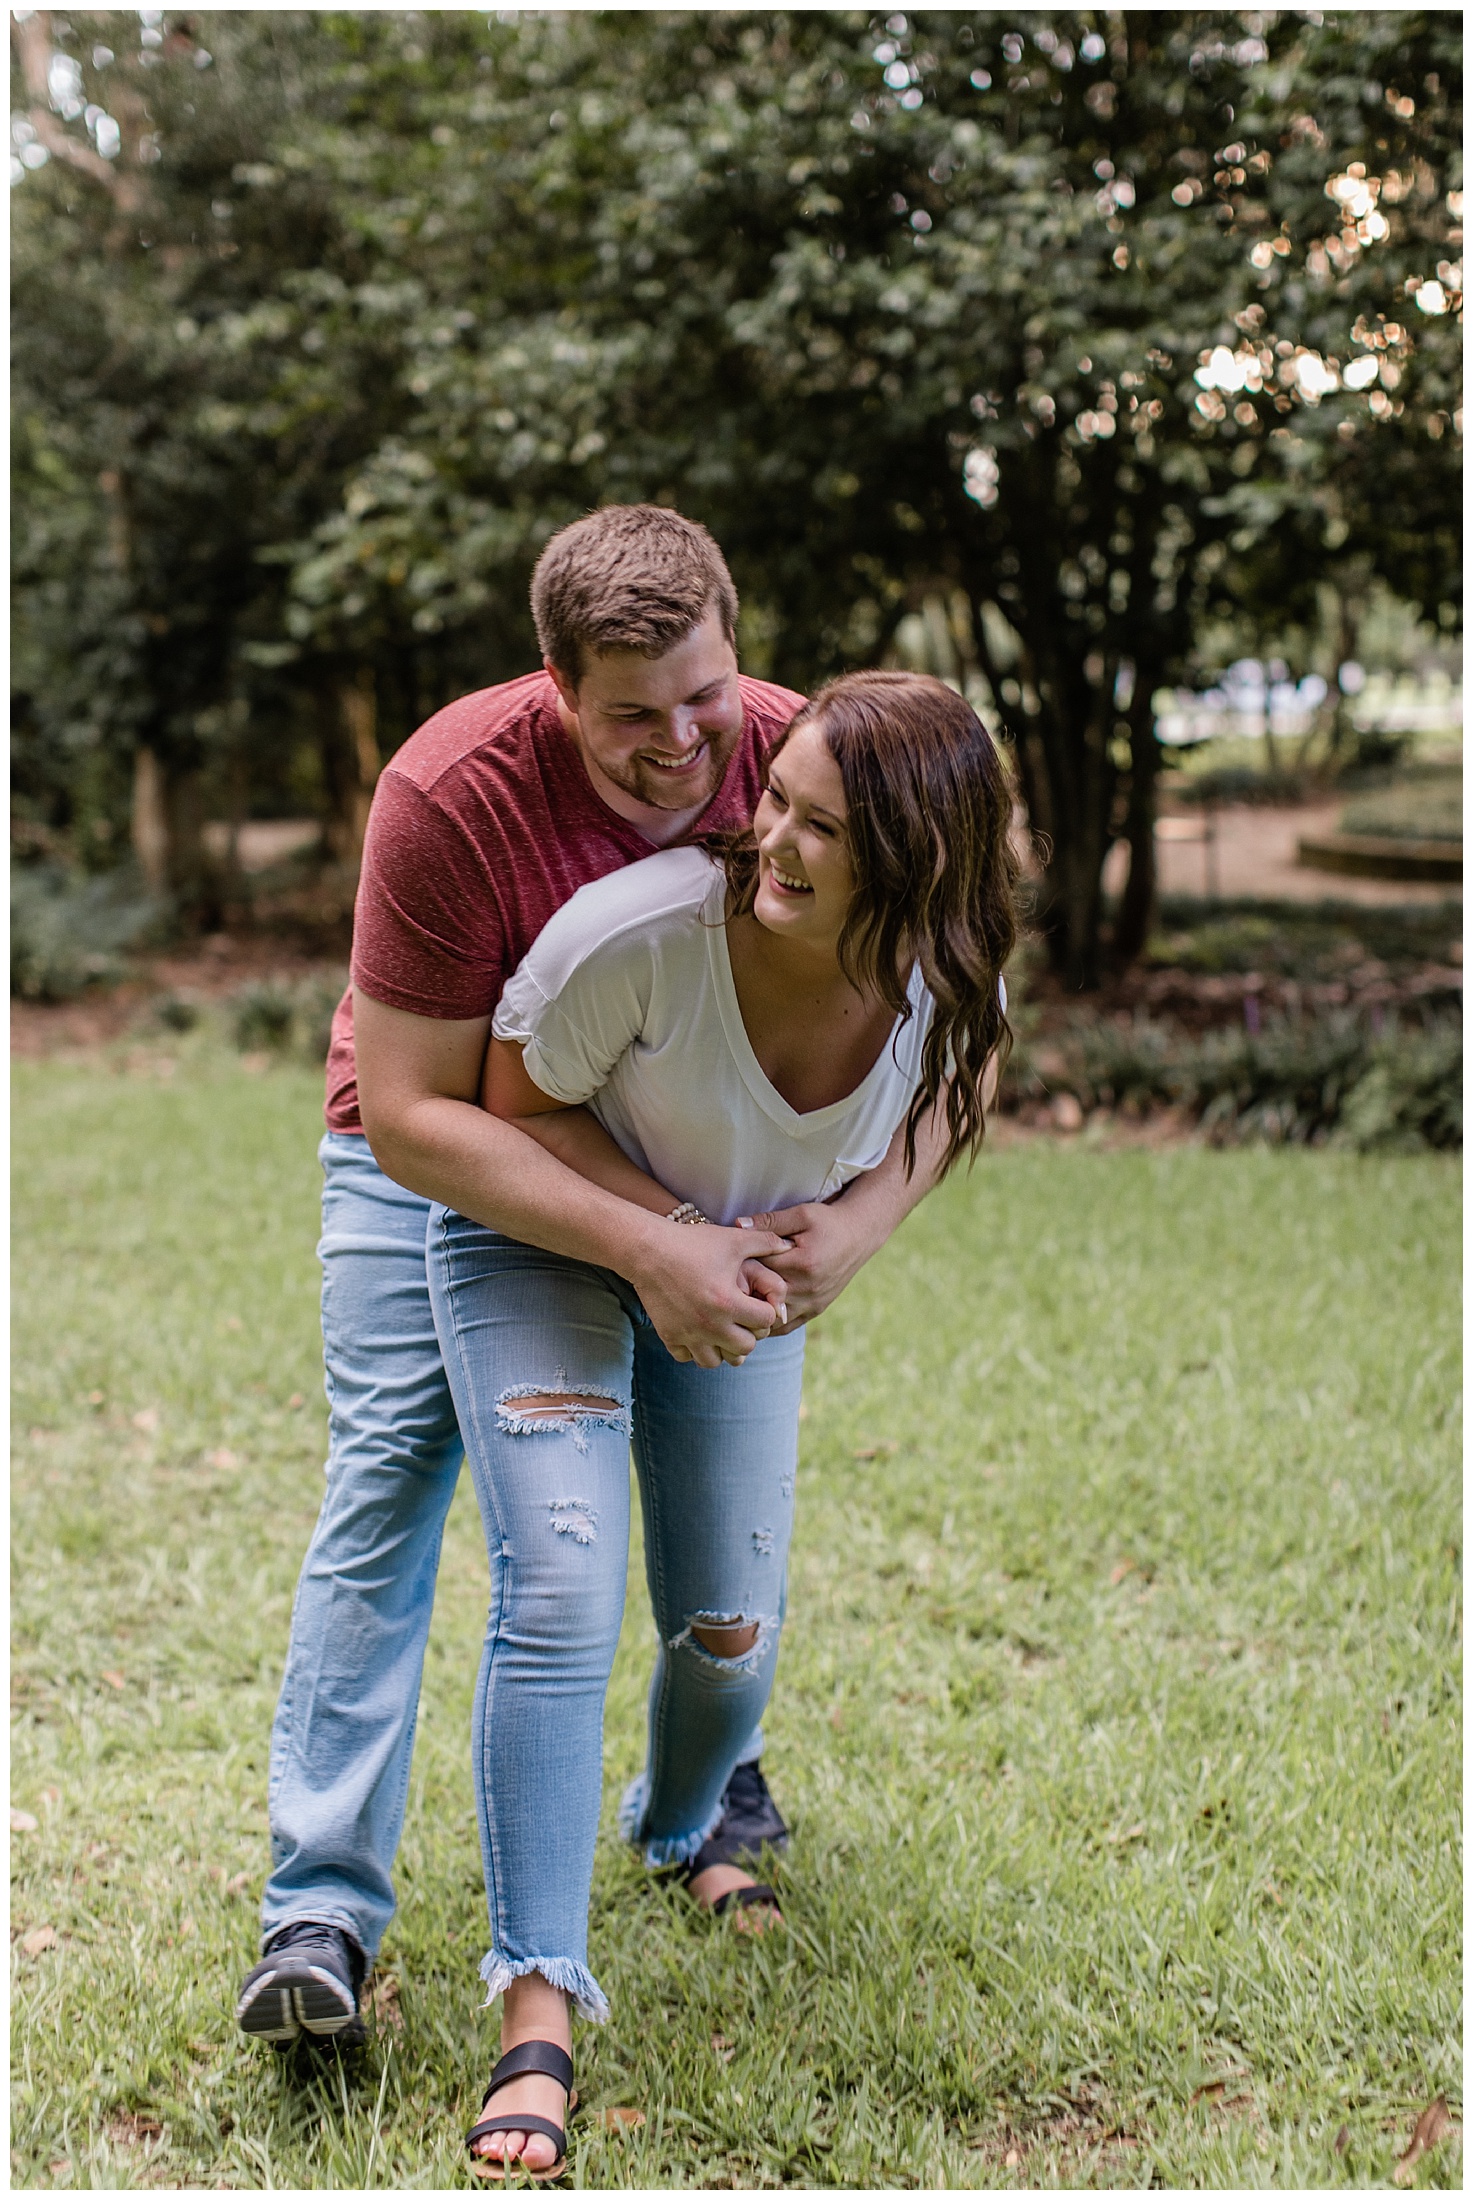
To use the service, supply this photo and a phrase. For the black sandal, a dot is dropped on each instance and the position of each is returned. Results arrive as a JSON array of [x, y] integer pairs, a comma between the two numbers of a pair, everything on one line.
[[719, 1850], [744, 1897], [539, 2058]]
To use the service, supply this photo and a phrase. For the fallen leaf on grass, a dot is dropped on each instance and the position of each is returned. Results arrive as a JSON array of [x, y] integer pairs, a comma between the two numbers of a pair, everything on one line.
[[147, 1420], [233, 1321], [96, 1398], [1342, 2138], [132, 2130], [1432, 2127], [51, 1796], [721, 2047], [36, 1942], [238, 1884], [223, 1459], [621, 2119], [114, 1680], [1118, 1573], [1219, 2097], [1011, 2159], [21, 1821], [876, 1451], [384, 2002], [295, 1402], [1130, 1833]]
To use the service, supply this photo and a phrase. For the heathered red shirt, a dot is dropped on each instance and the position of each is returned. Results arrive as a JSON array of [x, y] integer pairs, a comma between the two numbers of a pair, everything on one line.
[[482, 825]]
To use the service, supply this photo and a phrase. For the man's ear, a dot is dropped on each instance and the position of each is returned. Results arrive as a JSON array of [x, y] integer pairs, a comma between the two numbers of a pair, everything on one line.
[[567, 691]]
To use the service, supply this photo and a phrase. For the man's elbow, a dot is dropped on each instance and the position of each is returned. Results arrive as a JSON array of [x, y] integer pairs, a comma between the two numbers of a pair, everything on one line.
[[387, 1127]]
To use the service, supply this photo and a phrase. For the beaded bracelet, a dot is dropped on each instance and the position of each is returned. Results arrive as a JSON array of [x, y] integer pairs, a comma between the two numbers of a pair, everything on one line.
[[687, 1211]]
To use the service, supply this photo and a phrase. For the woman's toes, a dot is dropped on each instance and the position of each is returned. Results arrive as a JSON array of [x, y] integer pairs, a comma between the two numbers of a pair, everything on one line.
[[531, 2148]]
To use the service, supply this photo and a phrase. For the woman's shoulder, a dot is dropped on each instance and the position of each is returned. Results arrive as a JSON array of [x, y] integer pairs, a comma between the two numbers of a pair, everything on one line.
[[639, 908]]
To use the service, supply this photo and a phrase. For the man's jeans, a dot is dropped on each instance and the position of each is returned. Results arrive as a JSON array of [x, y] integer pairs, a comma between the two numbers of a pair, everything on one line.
[[553, 1365], [344, 1731]]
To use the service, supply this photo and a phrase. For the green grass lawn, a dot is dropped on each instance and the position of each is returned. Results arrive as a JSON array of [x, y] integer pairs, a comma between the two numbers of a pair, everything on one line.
[[1118, 1714]]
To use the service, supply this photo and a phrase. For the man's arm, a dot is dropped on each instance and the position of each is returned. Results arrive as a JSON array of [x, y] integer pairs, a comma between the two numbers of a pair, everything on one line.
[[833, 1239], [566, 1131], [418, 1081]]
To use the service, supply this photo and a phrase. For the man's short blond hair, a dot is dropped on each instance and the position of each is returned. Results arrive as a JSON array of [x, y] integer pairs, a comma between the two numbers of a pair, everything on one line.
[[631, 576]]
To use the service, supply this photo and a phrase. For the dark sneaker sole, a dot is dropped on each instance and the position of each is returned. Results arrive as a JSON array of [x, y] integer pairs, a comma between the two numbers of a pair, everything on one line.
[[300, 2000]]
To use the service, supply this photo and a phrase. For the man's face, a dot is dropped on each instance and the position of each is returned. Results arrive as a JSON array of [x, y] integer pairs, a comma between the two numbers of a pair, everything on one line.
[[658, 731]]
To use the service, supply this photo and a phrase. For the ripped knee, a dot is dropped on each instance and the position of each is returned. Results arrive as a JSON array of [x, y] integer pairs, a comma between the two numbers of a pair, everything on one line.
[[559, 1407], [729, 1640], [726, 1642]]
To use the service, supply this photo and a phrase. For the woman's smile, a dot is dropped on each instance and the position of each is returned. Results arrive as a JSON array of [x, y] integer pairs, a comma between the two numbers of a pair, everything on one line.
[[804, 876]]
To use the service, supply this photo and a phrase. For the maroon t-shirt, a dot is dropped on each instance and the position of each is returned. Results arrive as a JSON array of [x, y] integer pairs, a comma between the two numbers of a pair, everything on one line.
[[482, 825]]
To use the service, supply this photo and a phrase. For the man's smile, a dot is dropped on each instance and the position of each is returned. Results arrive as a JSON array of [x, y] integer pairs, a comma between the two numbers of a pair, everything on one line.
[[684, 763]]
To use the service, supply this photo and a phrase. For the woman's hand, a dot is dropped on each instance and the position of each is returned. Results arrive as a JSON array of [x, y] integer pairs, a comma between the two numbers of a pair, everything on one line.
[[706, 1289]]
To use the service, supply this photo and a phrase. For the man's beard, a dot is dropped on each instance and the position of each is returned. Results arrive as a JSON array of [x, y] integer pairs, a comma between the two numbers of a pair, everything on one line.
[[659, 790]]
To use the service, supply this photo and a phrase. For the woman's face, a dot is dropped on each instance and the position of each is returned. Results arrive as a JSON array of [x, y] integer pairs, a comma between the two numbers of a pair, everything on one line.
[[804, 876]]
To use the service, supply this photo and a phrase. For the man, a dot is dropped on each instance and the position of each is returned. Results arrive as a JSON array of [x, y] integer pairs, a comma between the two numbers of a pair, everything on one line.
[[638, 733]]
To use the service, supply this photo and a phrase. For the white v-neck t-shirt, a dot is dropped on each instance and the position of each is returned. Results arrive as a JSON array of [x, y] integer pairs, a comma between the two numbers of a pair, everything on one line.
[[626, 1001]]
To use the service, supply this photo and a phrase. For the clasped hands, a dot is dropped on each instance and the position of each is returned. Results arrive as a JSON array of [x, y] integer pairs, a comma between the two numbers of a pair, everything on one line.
[[719, 1291]]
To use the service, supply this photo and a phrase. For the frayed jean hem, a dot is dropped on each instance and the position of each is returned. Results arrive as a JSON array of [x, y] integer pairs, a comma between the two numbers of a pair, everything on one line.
[[570, 1978], [667, 1849]]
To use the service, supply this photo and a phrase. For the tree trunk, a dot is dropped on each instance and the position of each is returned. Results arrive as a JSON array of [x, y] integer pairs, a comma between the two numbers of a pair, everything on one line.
[[1138, 900], [1060, 726], [168, 834], [194, 876], [347, 717], [150, 824]]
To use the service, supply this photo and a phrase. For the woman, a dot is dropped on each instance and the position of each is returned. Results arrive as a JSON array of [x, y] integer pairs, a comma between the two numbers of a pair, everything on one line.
[[708, 1034]]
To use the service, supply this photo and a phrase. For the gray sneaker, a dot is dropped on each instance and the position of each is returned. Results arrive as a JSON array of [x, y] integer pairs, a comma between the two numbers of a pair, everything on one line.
[[750, 1822], [305, 1988]]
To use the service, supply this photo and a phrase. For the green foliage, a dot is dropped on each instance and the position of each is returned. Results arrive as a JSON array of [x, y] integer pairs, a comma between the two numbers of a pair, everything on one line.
[[68, 932], [1427, 807], [939, 307], [1411, 1095], [1305, 940], [1118, 1715], [1297, 1081], [286, 1018]]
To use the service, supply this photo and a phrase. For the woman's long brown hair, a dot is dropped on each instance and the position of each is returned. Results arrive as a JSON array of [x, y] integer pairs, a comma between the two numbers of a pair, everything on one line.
[[935, 876]]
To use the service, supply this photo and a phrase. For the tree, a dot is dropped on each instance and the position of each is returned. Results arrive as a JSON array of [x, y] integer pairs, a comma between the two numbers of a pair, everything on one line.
[[165, 437], [1096, 323], [1053, 308]]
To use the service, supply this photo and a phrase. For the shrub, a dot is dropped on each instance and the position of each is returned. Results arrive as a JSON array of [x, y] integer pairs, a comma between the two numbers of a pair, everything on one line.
[[67, 932], [280, 1018], [263, 1017], [1412, 1093], [1299, 1080]]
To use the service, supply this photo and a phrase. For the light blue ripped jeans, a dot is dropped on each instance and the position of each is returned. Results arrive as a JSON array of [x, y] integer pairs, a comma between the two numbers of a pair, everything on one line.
[[715, 1452]]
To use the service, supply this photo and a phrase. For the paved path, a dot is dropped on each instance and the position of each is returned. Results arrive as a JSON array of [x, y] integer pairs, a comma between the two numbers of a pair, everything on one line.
[[1253, 856]]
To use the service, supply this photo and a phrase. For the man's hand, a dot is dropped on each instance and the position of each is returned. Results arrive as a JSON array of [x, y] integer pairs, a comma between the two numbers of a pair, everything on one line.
[[418, 1079], [830, 1243], [709, 1298]]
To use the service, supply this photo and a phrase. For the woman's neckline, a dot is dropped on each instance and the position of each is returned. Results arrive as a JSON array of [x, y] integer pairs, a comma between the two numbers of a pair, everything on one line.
[[754, 1076]]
